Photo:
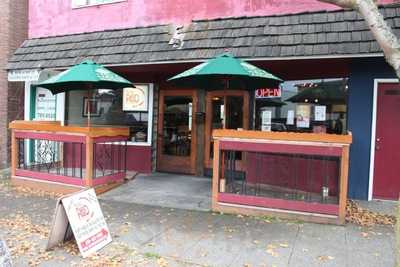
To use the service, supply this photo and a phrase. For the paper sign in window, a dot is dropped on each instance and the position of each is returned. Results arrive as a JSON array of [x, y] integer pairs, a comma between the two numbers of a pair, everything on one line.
[[136, 99]]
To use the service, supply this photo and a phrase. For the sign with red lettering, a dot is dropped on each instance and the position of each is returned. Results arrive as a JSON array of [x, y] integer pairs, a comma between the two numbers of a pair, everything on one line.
[[135, 99], [87, 221], [268, 93]]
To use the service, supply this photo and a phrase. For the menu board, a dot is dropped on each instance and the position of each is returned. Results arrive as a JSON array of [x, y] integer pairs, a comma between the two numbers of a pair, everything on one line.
[[81, 213], [87, 221]]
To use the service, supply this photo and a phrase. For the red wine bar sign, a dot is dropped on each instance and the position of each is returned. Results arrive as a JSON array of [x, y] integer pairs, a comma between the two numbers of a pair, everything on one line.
[[268, 93]]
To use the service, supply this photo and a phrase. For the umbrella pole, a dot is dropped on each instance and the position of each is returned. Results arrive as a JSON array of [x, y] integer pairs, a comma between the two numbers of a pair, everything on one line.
[[89, 106]]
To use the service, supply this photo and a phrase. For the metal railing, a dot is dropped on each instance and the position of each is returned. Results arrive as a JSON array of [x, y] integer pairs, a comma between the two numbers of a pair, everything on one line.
[[52, 157], [293, 174], [71, 155], [109, 158], [298, 177], [65, 158]]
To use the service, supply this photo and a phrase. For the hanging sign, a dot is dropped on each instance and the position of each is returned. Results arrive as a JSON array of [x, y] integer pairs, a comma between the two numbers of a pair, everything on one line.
[[136, 99], [303, 116], [268, 93], [23, 75], [81, 211]]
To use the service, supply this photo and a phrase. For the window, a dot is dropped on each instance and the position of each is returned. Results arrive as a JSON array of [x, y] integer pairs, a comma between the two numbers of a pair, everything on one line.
[[83, 3], [318, 106], [105, 108]]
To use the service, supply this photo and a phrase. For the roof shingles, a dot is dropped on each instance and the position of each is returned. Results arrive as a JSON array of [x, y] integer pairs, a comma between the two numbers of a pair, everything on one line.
[[293, 35]]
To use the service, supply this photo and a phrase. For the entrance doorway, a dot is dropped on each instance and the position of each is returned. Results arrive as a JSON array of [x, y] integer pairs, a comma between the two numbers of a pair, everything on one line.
[[177, 146], [386, 183], [176, 140], [225, 109]]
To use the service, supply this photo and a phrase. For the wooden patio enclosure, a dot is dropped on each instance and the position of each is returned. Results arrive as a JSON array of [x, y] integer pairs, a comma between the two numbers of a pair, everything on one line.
[[295, 175], [65, 159]]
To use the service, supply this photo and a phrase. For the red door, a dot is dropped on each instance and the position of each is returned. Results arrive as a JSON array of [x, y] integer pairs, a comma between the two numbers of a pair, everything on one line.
[[387, 142]]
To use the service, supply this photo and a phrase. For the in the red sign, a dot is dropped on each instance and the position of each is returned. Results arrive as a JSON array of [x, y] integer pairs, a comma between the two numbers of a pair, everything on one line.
[[268, 93]]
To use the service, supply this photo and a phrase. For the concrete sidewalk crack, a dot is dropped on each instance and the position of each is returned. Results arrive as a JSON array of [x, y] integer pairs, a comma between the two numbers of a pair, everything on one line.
[[346, 246], [294, 245]]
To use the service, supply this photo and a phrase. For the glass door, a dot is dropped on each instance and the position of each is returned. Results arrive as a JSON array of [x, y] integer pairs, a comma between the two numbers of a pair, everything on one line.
[[176, 132], [224, 110]]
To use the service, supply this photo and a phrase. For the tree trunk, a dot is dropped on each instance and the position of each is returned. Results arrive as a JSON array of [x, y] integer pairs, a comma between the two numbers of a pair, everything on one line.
[[383, 34]]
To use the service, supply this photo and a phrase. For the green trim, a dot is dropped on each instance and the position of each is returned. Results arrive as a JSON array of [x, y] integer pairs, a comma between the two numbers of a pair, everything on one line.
[[32, 109], [32, 113]]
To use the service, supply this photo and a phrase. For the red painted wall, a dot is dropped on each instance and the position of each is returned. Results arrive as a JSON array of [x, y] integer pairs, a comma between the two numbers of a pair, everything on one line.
[[56, 17], [293, 173], [138, 158]]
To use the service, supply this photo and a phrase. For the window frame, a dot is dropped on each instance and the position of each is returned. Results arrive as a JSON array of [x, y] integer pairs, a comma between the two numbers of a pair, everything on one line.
[[150, 117], [61, 112], [75, 6], [312, 104]]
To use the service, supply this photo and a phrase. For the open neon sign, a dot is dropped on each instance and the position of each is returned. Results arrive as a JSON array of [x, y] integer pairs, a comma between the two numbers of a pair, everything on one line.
[[268, 93]]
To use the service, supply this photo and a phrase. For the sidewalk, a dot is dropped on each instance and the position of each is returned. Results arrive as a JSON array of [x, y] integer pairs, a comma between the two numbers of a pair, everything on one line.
[[151, 236]]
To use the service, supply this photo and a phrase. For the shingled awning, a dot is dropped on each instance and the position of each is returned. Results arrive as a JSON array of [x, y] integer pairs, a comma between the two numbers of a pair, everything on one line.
[[316, 34]]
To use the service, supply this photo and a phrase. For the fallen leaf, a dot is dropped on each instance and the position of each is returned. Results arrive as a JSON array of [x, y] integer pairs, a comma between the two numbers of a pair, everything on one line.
[[283, 245], [364, 234], [162, 262], [272, 252], [325, 258], [357, 215]]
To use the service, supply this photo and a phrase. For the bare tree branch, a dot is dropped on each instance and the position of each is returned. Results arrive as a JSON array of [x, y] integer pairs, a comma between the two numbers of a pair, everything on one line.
[[351, 4], [382, 32]]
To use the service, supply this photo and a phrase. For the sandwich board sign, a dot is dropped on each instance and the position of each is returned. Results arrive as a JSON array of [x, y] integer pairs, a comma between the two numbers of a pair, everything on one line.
[[5, 257], [79, 215]]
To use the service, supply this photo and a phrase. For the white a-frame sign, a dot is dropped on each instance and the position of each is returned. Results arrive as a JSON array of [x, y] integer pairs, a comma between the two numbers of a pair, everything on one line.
[[79, 215]]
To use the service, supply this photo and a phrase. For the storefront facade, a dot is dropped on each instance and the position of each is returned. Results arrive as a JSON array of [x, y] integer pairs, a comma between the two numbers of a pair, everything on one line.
[[171, 128]]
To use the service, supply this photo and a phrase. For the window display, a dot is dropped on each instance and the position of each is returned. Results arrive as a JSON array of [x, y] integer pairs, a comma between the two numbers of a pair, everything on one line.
[[106, 108], [303, 106]]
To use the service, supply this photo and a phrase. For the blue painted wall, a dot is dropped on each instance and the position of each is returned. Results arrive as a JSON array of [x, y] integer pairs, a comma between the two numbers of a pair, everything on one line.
[[360, 99]]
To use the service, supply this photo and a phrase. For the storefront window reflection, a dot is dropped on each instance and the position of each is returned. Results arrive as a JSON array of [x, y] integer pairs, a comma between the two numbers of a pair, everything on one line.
[[177, 134], [318, 106], [105, 107]]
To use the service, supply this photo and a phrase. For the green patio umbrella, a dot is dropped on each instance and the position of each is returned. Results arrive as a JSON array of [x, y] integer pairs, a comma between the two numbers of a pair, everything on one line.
[[84, 76], [227, 72], [87, 75]]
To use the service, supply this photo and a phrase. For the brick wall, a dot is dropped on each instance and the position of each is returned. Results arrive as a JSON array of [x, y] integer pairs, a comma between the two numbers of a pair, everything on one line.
[[13, 31]]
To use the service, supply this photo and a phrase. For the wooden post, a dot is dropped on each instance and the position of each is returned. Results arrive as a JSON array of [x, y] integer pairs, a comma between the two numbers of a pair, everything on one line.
[[215, 180], [200, 130], [89, 162], [222, 181], [344, 169], [14, 153]]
